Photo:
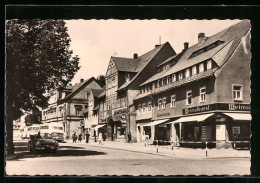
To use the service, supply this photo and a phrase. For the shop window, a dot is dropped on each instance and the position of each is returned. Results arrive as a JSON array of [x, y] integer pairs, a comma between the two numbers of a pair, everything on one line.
[[173, 101], [139, 108], [236, 130], [164, 103], [201, 67], [149, 106], [203, 94], [237, 93], [209, 64], [188, 97], [160, 104], [194, 70], [144, 106]]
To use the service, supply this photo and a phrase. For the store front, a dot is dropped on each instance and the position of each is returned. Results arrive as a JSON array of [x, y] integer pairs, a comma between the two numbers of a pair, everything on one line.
[[217, 129], [116, 130]]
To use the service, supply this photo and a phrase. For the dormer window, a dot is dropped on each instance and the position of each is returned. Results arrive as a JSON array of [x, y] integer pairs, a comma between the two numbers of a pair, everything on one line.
[[187, 73], [201, 67], [209, 64], [194, 70], [173, 77], [127, 77], [180, 75]]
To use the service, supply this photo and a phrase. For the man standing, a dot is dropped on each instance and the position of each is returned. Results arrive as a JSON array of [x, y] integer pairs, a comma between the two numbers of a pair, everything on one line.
[[87, 137], [95, 135]]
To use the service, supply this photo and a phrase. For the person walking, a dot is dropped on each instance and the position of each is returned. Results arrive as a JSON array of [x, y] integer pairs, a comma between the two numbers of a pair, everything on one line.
[[74, 137], [80, 137], [95, 135], [129, 137], [87, 137], [100, 138]]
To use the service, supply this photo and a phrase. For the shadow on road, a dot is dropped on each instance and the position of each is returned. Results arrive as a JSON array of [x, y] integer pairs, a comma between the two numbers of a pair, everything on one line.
[[22, 151]]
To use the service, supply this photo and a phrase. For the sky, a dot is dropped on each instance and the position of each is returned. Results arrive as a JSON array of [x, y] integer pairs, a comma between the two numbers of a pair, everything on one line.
[[95, 41]]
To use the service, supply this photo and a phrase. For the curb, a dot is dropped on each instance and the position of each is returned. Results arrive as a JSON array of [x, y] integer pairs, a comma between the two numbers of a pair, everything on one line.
[[168, 155]]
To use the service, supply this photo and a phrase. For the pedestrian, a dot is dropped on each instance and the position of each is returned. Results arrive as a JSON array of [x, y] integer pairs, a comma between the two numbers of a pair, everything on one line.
[[100, 138], [21, 137], [129, 137], [39, 135], [87, 137], [74, 137], [80, 137], [95, 135], [104, 136]]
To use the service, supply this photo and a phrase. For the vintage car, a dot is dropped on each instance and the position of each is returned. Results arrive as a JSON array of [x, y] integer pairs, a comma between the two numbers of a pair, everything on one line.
[[43, 142]]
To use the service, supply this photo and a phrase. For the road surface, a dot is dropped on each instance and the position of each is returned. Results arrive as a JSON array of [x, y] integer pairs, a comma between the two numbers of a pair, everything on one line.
[[83, 159]]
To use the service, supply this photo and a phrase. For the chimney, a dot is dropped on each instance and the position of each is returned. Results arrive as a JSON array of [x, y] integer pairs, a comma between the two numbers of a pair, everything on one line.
[[135, 56], [157, 45], [201, 37], [186, 45], [81, 80]]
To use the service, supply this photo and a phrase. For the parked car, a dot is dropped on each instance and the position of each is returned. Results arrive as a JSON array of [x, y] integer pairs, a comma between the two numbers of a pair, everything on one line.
[[43, 142]]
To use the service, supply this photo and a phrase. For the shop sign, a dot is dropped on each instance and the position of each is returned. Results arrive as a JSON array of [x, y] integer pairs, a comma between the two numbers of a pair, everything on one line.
[[120, 111], [163, 114], [217, 106]]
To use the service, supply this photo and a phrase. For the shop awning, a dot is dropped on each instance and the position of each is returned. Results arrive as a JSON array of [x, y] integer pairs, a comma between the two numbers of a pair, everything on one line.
[[197, 118], [156, 122], [99, 126], [239, 116]]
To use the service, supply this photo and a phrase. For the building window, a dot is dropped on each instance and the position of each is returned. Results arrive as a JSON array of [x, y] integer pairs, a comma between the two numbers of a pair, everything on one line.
[[144, 105], [109, 105], [209, 64], [237, 93], [194, 70], [164, 81], [173, 78], [158, 83], [139, 108], [149, 106], [201, 67], [180, 75], [188, 97], [164, 103], [169, 80], [187, 73], [236, 130], [160, 104], [77, 110], [127, 77], [203, 94], [173, 101]]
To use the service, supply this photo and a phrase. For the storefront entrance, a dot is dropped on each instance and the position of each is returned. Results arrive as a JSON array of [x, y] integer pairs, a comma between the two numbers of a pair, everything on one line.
[[115, 130]]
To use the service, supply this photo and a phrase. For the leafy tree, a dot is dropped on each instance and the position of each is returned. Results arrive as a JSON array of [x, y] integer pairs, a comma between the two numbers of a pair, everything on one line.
[[38, 59], [34, 118], [101, 80]]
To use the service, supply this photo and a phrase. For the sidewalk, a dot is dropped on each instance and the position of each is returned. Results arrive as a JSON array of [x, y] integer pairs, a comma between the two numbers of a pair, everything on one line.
[[177, 152]]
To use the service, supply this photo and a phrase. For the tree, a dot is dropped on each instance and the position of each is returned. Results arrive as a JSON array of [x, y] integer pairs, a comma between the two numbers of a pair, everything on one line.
[[38, 59], [101, 80], [33, 118]]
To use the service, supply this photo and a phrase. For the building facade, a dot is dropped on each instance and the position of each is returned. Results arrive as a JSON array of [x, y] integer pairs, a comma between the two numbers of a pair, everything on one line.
[[123, 77], [68, 105], [202, 94]]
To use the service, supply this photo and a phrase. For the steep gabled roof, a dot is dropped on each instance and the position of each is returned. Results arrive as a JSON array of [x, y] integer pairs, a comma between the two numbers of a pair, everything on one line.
[[230, 38], [125, 64], [79, 86], [97, 92], [143, 61]]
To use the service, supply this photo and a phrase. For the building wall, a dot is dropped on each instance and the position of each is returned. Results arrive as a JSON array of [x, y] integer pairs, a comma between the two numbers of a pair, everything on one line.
[[144, 114], [235, 71], [180, 94]]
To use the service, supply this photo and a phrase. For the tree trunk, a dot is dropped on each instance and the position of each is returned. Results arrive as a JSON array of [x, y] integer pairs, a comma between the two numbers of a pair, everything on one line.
[[9, 131]]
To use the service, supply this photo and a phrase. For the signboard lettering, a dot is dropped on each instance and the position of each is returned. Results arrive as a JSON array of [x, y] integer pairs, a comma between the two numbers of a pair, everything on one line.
[[163, 114], [217, 106]]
